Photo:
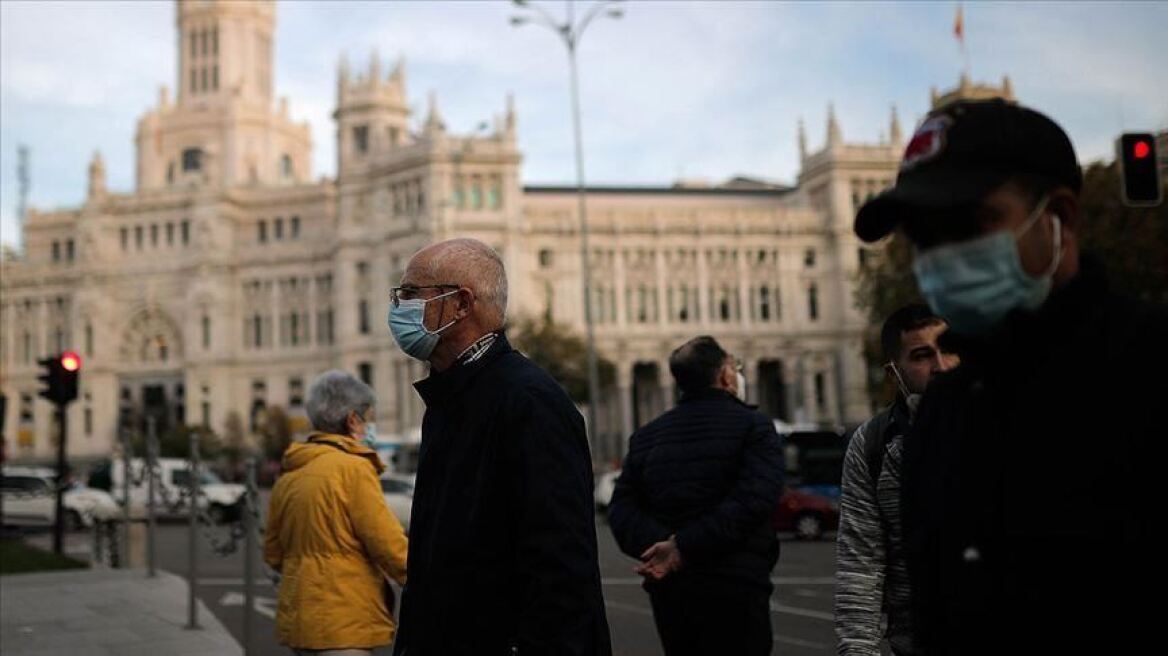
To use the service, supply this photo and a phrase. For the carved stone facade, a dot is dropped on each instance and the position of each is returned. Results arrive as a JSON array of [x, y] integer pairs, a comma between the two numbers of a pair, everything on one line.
[[228, 278]]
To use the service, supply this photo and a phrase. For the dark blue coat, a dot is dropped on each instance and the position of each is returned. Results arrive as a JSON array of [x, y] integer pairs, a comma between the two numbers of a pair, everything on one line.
[[503, 534], [710, 471]]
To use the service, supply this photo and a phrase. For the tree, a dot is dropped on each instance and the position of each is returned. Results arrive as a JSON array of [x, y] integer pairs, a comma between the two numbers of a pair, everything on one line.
[[560, 352], [275, 432], [235, 447], [176, 442]]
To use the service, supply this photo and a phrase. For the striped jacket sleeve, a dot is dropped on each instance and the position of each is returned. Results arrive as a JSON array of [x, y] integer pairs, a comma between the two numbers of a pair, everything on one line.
[[860, 557]]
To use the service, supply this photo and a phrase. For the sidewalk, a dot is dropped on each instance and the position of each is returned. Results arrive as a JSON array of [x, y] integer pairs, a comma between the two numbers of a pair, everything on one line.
[[104, 612]]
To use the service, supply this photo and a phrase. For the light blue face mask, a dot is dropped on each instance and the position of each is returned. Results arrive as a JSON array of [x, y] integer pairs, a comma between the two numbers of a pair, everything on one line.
[[974, 284], [369, 438], [407, 324]]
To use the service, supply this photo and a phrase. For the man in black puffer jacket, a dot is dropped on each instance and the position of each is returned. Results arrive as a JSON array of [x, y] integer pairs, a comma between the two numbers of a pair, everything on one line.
[[694, 504]]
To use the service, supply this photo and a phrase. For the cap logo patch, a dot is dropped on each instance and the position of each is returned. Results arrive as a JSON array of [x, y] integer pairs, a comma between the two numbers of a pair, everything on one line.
[[927, 142]]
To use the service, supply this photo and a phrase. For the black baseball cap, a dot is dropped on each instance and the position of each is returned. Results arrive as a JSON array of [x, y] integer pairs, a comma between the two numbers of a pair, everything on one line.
[[964, 150]]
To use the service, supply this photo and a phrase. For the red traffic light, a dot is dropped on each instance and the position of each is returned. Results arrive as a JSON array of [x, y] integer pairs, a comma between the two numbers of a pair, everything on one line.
[[1141, 149], [70, 361]]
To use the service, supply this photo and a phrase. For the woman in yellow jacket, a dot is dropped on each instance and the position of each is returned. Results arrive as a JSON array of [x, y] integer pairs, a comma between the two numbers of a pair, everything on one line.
[[329, 532]]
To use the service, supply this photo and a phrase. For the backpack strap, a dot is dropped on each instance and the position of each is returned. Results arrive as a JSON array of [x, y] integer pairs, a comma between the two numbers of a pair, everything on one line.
[[876, 439]]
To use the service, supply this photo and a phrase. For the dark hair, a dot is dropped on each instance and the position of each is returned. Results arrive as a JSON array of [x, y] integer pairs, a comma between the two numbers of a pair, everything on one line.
[[909, 317], [695, 364]]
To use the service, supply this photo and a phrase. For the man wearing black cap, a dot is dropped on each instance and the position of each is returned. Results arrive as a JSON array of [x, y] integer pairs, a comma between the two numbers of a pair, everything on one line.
[[1028, 487]]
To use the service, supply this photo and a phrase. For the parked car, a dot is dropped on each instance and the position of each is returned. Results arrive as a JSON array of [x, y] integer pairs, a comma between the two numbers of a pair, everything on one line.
[[221, 500], [399, 496], [30, 500], [602, 491], [806, 514]]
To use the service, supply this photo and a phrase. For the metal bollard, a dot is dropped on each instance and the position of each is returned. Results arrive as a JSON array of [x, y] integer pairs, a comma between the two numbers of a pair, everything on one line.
[[127, 474], [98, 546], [249, 504], [151, 460], [112, 533], [193, 536]]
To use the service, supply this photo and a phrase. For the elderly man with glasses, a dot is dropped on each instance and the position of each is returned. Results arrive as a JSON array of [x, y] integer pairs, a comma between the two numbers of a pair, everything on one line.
[[503, 553]]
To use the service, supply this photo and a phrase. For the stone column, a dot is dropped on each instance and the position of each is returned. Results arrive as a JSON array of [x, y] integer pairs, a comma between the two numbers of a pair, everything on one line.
[[792, 385], [624, 386], [665, 381], [750, 370], [809, 401], [662, 284], [622, 317], [703, 289], [743, 289]]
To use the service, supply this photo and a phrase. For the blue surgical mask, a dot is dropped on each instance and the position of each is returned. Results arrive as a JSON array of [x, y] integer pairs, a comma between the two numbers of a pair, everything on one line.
[[369, 437], [407, 324], [974, 284]]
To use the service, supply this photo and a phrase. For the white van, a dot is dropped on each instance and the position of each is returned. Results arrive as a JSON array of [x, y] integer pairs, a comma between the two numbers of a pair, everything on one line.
[[221, 500], [30, 499]]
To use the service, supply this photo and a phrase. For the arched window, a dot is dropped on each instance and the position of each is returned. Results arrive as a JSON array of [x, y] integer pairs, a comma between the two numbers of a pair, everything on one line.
[[192, 159], [286, 166]]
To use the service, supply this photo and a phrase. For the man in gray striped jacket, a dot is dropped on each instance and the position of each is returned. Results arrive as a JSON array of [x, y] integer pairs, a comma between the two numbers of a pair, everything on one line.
[[871, 576]]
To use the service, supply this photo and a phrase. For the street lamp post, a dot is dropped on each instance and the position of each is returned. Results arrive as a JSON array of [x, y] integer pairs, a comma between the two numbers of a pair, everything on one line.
[[571, 31]]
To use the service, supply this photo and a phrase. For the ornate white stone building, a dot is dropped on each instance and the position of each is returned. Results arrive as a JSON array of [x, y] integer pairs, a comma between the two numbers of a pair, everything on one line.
[[228, 278]]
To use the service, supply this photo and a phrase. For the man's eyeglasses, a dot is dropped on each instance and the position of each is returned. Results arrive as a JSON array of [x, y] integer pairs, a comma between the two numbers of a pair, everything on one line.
[[410, 292]]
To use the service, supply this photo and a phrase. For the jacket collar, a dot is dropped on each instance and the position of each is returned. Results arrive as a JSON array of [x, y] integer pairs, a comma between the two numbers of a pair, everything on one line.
[[712, 393], [439, 386], [349, 445]]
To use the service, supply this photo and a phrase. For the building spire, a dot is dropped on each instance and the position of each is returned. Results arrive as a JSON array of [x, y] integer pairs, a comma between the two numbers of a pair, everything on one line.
[[802, 140], [374, 68], [342, 74], [894, 128], [833, 130], [434, 122], [96, 176], [509, 117]]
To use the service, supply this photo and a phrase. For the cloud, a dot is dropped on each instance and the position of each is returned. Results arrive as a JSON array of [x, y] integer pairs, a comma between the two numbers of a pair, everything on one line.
[[704, 89]]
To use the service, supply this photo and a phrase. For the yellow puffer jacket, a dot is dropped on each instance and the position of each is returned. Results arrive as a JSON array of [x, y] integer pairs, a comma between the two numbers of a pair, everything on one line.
[[336, 543]]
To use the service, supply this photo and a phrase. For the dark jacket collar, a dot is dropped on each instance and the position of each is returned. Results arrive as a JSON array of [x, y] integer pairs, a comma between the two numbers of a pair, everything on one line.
[[711, 393], [441, 385]]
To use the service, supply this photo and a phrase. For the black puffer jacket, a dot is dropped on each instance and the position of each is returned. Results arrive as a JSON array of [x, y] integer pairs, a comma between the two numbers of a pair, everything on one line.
[[1033, 483], [503, 533], [709, 471]]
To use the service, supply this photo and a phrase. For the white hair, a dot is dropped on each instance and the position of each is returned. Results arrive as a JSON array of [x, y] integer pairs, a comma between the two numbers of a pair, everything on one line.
[[472, 263], [332, 396]]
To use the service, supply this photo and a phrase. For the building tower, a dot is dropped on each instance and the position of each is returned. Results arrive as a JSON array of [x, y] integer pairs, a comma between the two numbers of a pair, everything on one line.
[[223, 131], [372, 114]]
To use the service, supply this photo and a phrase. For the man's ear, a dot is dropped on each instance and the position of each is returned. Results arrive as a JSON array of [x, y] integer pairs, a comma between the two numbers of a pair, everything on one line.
[[1064, 204], [466, 301]]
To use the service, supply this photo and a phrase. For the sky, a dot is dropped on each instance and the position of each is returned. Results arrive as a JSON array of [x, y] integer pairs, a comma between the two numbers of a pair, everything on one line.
[[688, 89]]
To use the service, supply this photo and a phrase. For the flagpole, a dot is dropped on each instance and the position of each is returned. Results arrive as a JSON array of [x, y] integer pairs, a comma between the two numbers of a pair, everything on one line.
[[959, 32]]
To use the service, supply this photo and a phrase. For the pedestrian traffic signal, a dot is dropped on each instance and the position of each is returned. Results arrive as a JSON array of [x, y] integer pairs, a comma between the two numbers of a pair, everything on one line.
[[59, 377], [1140, 169]]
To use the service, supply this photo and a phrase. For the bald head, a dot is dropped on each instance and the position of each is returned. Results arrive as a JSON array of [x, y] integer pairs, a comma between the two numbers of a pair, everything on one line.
[[472, 264]]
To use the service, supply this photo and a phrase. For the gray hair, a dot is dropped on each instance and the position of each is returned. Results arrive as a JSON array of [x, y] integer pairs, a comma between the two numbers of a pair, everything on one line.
[[472, 263], [332, 396]]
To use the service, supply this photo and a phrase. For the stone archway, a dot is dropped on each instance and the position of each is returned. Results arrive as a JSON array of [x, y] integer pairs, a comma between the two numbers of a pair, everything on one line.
[[151, 337]]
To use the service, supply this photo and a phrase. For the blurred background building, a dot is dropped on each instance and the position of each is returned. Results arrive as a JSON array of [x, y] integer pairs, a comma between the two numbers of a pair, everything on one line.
[[229, 278]]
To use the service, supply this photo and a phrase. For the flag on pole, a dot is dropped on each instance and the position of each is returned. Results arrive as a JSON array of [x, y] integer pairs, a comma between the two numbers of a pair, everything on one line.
[[959, 26]]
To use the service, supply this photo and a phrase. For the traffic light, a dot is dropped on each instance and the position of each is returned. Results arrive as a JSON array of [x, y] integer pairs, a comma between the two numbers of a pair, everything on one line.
[[59, 377], [1140, 169]]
